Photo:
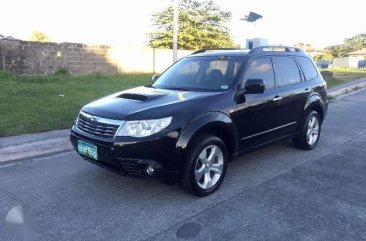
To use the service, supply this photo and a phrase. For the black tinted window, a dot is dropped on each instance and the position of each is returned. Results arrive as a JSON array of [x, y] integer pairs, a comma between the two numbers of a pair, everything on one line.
[[308, 68], [287, 71], [201, 74], [261, 68]]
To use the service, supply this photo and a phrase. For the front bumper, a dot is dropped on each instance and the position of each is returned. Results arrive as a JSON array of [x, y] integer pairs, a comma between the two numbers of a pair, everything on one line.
[[130, 156]]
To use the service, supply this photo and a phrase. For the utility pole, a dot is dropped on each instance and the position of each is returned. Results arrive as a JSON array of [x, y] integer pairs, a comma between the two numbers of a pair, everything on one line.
[[175, 30]]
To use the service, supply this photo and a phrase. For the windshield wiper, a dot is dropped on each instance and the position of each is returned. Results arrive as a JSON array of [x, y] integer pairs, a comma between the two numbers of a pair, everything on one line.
[[150, 86], [178, 88]]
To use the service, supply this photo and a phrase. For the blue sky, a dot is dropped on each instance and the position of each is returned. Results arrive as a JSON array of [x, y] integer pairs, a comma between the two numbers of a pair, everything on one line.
[[319, 22]]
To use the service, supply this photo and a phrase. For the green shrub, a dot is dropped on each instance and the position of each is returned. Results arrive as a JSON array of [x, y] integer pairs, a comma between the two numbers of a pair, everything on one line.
[[6, 75], [327, 75], [61, 72]]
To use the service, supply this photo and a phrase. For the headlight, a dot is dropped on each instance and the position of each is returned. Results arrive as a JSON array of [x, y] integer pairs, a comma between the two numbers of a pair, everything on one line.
[[142, 128]]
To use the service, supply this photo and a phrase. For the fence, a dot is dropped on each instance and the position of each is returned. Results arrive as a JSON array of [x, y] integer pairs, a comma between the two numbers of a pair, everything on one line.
[[37, 58], [351, 61]]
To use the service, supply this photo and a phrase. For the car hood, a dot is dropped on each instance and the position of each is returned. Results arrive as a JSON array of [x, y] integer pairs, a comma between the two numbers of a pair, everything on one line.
[[146, 103]]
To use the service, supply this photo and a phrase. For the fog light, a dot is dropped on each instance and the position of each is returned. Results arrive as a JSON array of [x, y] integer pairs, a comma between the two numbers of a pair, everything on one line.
[[150, 170]]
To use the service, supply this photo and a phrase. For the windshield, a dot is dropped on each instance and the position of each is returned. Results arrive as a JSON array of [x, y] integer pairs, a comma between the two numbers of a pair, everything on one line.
[[201, 74]]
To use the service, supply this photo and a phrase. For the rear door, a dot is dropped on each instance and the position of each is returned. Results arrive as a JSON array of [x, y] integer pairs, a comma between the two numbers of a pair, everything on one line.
[[293, 92]]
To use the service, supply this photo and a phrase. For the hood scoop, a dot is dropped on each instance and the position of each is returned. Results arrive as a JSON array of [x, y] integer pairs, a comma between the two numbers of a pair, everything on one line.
[[142, 95], [131, 96]]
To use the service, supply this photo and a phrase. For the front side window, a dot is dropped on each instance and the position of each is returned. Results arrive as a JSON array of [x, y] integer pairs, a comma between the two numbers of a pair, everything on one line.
[[287, 71], [201, 74], [308, 68], [261, 68]]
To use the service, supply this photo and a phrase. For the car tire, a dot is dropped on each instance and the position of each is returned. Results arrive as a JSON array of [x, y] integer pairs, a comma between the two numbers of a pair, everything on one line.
[[206, 165], [310, 129]]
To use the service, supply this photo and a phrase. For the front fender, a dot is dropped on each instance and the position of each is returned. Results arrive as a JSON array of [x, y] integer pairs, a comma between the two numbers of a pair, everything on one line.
[[209, 121]]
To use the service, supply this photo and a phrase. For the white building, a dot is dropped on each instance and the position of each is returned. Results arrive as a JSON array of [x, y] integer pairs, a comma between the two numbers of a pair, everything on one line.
[[351, 61], [256, 42]]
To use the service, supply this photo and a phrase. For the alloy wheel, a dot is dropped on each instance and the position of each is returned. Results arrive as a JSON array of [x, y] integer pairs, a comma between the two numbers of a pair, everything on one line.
[[209, 166], [312, 132]]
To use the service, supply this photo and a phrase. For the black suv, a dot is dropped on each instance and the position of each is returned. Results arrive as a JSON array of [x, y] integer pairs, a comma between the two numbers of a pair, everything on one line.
[[202, 112]]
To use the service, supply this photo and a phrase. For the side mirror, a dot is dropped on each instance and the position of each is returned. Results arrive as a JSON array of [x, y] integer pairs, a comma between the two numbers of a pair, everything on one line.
[[254, 86], [154, 77]]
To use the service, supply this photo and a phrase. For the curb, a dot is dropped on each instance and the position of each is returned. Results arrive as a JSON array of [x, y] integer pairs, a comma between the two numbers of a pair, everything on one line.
[[30, 146], [347, 88]]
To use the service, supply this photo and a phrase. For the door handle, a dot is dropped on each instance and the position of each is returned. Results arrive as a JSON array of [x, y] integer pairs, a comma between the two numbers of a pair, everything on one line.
[[307, 90], [277, 98]]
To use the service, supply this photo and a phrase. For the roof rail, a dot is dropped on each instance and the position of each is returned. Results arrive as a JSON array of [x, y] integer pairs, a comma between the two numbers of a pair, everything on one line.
[[205, 50], [275, 48]]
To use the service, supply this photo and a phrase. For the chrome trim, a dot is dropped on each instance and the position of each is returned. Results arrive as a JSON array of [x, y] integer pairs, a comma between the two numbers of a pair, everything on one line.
[[102, 120], [264, 132], [277, 98], [119, 128], [87, 134]]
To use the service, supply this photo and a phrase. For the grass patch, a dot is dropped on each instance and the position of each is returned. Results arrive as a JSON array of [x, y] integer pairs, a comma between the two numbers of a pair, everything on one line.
[[344, 75], [31, 104]]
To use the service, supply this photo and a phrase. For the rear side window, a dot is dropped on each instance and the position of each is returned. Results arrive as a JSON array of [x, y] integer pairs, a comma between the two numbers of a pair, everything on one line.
[[287, 71], [261, 68], [308, 68]]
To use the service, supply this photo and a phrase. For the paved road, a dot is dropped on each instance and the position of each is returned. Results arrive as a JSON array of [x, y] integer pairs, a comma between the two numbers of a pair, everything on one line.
[[278, 193]]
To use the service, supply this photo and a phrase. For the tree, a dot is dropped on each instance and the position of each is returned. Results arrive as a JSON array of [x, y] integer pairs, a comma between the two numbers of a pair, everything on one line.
[[339, 50], [356, 42], [324, 56], [39, 36], [349, 45], [201, 25]]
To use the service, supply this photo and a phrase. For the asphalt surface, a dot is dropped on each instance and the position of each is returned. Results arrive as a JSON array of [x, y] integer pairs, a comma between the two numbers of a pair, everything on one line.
[[277, 193]]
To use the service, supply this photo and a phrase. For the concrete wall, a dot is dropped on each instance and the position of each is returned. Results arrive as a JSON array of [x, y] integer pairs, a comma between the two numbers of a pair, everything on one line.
[[351, 61], [37, 58]]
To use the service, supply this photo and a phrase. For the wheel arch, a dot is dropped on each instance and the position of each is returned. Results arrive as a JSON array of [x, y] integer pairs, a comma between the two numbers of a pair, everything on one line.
[[315, 102], [215, 123]]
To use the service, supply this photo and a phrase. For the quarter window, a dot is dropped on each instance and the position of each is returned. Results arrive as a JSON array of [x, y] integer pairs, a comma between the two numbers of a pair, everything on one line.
[[308, 68], [261, 68], [287, 71]]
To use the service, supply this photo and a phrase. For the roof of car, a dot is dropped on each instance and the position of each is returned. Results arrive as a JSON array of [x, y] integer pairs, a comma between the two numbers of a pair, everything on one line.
[[218, 53], [262, 50]]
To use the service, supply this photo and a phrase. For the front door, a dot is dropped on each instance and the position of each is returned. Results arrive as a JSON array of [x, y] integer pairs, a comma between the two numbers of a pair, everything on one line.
[[258, 118]]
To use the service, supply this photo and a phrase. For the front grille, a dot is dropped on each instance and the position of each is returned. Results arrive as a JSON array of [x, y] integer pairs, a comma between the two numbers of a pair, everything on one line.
[[97, 126]]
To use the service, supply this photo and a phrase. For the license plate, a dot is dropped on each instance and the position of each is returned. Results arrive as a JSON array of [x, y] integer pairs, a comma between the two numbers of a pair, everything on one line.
[[88, 150]]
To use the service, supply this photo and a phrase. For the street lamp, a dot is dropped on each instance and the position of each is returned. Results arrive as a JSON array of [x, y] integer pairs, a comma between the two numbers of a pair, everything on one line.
[[175, 30], [252, 17]]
